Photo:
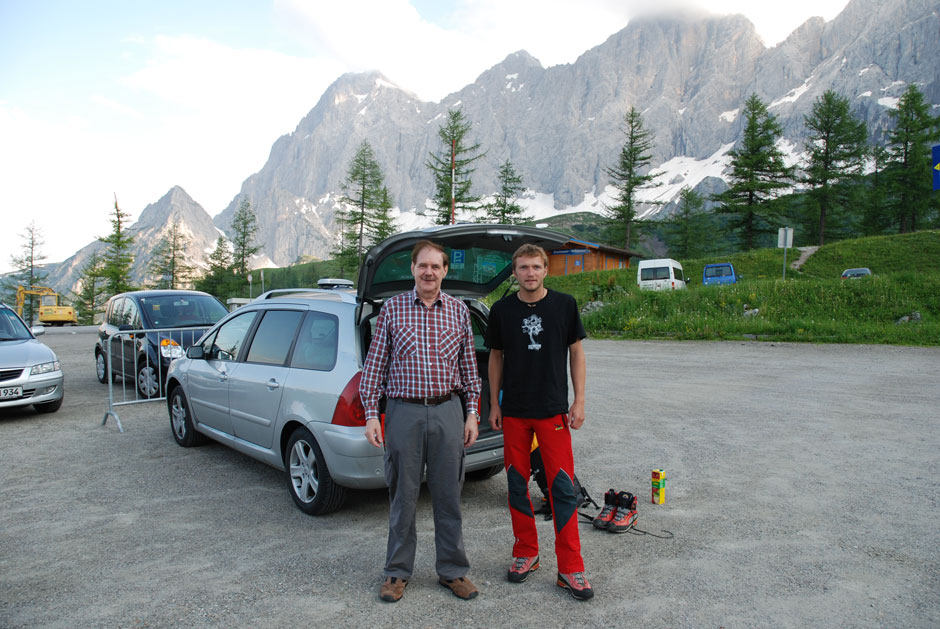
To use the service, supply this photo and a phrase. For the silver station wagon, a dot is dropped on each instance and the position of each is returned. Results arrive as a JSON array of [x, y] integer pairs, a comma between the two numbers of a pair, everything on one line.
[[278, 379]]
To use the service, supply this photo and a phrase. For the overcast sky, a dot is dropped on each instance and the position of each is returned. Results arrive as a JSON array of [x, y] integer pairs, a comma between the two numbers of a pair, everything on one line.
[[127, 97]]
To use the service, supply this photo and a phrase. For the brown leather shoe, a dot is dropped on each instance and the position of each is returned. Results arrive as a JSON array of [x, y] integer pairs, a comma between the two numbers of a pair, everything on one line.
[[461, 587], [392, 589]]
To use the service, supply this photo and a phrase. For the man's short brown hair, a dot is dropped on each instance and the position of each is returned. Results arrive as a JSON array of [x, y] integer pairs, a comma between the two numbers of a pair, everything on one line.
[[529, 251], [424, 244]]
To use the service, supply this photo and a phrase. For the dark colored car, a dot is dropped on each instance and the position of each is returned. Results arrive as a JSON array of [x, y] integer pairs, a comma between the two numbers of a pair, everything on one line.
[[855, 274], [169, 322], [278, 379]]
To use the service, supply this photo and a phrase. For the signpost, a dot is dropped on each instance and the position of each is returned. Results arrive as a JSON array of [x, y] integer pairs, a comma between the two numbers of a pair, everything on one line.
[[785, 241]]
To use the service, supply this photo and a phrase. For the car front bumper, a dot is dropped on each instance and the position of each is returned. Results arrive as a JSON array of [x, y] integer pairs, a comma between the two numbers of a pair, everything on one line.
[[47, 387]]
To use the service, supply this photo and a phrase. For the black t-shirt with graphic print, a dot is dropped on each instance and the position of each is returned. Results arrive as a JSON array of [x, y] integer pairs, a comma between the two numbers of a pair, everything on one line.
[[534, 339]]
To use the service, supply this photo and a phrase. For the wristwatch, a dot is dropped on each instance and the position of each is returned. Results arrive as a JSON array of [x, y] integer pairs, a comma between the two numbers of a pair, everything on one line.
[[475, 414]]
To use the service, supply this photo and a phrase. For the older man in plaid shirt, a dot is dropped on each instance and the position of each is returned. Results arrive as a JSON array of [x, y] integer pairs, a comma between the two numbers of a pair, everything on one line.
[[421, 356]]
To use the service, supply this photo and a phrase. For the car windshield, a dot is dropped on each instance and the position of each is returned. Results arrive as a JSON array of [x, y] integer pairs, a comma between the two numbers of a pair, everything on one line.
[[11, 328], [181, 311]]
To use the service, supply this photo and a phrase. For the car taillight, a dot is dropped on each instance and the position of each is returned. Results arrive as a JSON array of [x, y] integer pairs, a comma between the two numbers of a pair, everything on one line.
[[349, 410]]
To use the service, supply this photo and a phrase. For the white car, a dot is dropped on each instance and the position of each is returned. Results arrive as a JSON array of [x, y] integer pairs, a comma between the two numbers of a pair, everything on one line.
[[660, 274], [30, 373]]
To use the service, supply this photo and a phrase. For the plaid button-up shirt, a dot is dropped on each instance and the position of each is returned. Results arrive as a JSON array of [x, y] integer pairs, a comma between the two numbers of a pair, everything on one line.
[[418, 351]]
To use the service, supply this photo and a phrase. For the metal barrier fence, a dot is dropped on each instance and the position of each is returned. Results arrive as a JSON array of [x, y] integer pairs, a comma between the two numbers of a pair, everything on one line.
[[144, 356]]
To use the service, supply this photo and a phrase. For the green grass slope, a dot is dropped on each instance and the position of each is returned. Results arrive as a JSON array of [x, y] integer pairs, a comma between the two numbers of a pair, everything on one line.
[[812, 305]]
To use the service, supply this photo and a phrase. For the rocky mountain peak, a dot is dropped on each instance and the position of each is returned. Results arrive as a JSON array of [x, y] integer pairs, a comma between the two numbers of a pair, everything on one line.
[[689, 75]]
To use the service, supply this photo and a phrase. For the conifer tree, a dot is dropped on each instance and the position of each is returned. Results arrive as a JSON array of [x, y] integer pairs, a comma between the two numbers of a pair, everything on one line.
[[218, 278], [687, 235], [117, 257], [504, 208], [836, 148], [91, 295], [244, 228], [362, 194], [27, 269], [168, 263], [876, 219], [758, 175], [383, 224], [910, 159], [629, 175], [452, 171]]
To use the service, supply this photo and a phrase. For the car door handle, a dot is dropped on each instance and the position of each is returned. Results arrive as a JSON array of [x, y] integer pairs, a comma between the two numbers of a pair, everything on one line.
[[223, 376], [272, 384]]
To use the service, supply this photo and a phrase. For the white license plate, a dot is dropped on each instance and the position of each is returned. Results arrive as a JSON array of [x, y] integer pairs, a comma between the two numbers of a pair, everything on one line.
[[11, 392]]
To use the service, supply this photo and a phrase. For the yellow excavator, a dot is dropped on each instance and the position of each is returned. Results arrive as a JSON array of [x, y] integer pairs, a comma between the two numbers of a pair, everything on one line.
[[50, 312]]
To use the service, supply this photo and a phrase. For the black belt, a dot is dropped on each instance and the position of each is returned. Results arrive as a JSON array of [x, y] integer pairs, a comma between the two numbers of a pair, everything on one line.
[[427, 401]]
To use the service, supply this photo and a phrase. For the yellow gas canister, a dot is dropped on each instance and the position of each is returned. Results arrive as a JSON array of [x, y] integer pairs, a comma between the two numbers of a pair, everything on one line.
[[659, 487]]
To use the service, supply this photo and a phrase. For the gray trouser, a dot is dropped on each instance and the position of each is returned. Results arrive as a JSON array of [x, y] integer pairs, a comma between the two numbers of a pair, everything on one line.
[[415, 436]]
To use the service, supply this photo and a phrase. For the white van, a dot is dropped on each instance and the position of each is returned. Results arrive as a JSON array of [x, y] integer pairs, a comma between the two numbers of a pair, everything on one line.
[[660, 274]]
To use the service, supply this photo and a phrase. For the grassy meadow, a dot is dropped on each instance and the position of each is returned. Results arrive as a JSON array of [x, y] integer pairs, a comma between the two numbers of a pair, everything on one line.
[[811, 305]]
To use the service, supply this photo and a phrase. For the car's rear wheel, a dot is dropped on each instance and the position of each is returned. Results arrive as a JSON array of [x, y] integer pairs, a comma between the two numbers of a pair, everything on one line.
[[148, 380], [181, 421], [49, 407], [311, 486]]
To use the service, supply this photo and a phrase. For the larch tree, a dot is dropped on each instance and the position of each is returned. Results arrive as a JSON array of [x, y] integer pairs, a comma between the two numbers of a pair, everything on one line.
[[118, 258], [27, 269], [452, 168], [362, 194], [836, 150], [244, 229], [168, 263], [505, 208], [629, 175], [759, 175], [909, 159]]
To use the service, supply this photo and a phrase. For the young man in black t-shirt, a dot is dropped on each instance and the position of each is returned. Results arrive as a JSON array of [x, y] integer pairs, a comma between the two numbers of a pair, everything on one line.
[[532, 335]]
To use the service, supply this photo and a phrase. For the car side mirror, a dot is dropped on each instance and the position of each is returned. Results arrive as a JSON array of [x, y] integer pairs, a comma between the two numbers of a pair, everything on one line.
[[124, 327], [38, 330], [196, 352]]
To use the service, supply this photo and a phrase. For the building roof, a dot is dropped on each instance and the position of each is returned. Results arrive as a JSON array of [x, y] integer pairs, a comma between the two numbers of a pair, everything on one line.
[[574, 242]]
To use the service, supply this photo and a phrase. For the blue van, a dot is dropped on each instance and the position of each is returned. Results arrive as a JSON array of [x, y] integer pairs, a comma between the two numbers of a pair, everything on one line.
[[721, 273]]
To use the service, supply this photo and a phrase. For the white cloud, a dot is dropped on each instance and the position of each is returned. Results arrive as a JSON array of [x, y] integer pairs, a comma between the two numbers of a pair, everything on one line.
[[211, 113]]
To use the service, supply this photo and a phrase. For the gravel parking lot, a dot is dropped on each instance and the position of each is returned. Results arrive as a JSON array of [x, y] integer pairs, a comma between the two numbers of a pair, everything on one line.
[[802, 491]]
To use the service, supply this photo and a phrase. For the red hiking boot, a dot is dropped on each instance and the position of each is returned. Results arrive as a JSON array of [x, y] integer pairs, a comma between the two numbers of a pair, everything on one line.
[[576, 584], [521, 568], [626, 514], [602, 521]]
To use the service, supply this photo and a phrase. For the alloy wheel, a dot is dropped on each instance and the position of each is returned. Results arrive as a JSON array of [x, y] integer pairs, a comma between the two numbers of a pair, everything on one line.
[[303, 471]]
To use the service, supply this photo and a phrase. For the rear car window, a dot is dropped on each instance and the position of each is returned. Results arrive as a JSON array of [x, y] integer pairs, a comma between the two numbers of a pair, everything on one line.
[[180, 311], [655, 273], [273, 339], [717, 271], [317, 342]]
